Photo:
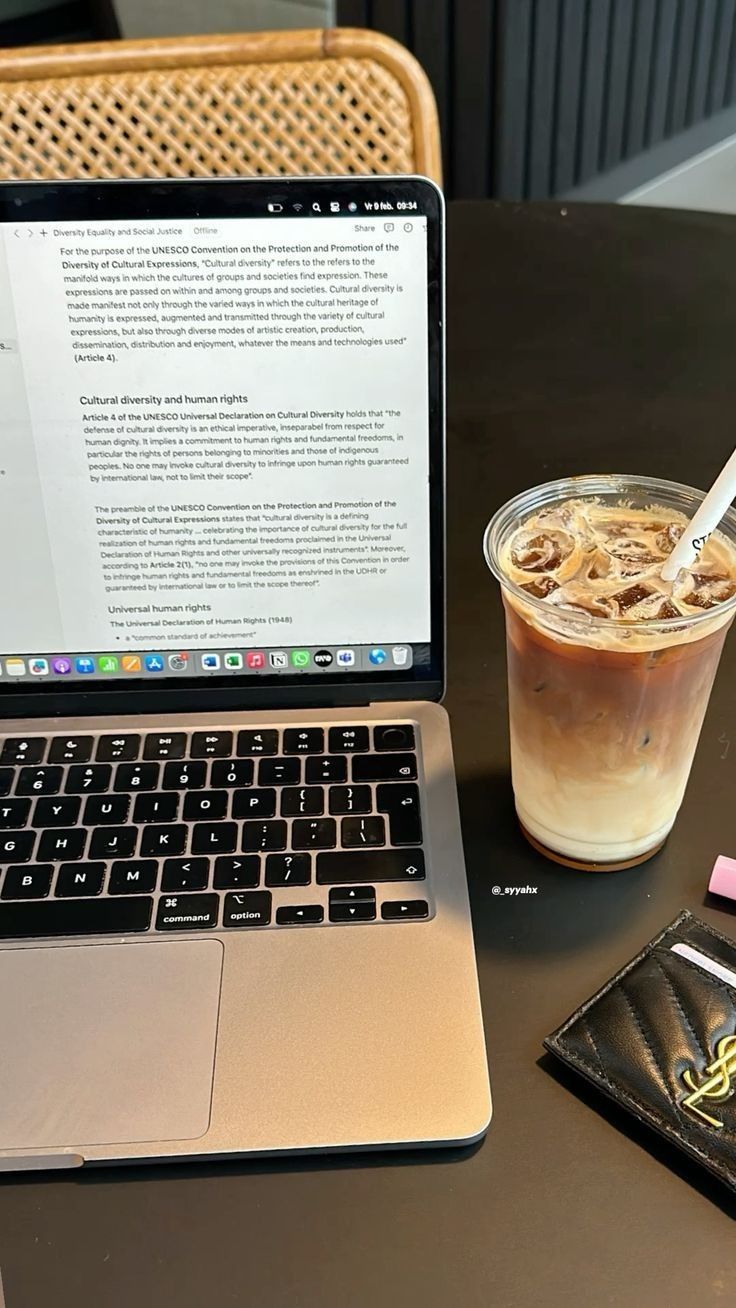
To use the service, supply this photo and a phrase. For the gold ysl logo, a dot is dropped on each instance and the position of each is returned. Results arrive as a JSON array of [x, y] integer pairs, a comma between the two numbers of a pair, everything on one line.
[[718, 1086]]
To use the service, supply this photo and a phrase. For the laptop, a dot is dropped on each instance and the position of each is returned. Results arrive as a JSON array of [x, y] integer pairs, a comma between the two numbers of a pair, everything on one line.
[[233, 909]]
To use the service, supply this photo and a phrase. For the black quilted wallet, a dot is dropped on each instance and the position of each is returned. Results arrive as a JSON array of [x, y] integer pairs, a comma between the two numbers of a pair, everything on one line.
[[660, 1040]]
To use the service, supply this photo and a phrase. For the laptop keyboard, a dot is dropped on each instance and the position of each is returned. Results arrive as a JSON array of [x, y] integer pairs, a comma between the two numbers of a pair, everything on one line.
[[194, 830]]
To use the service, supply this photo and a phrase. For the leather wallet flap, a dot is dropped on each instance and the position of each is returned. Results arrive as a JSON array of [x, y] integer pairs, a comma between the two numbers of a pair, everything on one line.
[[660, 1039]]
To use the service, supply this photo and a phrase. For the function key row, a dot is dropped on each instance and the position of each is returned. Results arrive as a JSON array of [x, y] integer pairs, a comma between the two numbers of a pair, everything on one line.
[[128, 747]]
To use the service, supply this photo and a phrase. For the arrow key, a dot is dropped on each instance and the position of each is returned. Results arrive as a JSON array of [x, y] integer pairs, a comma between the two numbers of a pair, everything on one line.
[[345, 911], [300, 914], [395, 910]]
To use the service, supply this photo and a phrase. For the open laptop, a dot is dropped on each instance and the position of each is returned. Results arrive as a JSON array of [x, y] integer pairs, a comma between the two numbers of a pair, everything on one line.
[[233, 908]]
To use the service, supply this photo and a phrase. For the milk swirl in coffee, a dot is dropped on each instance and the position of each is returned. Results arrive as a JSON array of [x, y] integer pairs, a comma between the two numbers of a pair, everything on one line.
[[610, 669]]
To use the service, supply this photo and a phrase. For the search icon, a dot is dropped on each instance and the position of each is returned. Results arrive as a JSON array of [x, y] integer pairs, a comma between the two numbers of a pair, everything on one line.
[[316, 208]]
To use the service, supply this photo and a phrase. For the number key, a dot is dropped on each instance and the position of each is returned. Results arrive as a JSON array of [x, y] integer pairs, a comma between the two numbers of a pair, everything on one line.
[[232, 772], [184, 776], [88, 780], [39, 781], [137, 776]]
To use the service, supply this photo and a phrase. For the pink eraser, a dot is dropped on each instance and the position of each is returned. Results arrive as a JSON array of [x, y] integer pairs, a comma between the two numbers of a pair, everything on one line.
[[723, 877]]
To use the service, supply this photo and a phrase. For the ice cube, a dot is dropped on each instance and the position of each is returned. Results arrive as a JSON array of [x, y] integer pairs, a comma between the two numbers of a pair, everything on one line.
[[541, 587], [540, 551], [669, 536], [631, 551], [709, 590], [630, 598]]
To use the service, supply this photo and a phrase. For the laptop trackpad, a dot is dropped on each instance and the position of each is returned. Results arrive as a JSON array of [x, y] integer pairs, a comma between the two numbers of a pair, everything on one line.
[[107, 1044]]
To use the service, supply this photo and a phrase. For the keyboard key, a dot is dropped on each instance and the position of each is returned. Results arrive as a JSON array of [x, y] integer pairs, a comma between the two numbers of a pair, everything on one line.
[[75, 917], [351, 799], [232, 772], [205, 804], [232, 872], [385, 767], [118, 749], [133, 877], [396, 910], [113, 842], [254, 803], [402, 805], [328, 768], [17, 846], [106, 810], [163, 840], [187, 912], [279, 771], [288, 870], [23, 749], [304, 740], [263, 835], [184, 776], [211, 744], [247, 910], [137, 776], [165, 745], [7, 776], [348, 740], [78, 879], [393, 737], [30, 882], [361, 911], [71, 749], [39, 781], [60, 812], [185, 874], [257, 742], [156, 806], [302, 915], [356, 832], [89, 780], [370, 865], [307, 801], [214, 838], [57, 846], [14, 813], [320, 833], [351, 894]]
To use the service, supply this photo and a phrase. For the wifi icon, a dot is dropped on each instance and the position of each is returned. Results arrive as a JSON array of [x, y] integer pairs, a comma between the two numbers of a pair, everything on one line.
[[298, 208]]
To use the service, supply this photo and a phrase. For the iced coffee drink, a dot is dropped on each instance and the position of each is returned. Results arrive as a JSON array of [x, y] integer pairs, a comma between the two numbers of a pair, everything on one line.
[[610, 667]]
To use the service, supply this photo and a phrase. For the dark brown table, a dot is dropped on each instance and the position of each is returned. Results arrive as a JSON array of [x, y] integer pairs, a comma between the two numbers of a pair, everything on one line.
[[581, 339]]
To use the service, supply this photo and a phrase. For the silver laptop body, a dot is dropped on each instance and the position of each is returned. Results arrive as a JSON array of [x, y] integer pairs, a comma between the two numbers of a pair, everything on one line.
[[233, 907]]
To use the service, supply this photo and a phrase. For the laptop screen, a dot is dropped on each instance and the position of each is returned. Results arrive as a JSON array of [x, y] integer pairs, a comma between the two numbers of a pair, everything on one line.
[[215, 432]]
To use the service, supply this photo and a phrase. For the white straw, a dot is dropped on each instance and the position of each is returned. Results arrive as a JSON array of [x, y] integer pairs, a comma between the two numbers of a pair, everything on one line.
[[707, 518]]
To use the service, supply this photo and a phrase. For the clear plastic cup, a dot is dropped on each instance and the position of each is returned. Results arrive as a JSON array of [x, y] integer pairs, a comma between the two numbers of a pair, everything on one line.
[[604, 715]]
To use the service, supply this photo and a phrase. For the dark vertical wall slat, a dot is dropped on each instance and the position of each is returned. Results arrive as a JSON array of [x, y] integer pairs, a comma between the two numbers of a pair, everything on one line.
[[702, 59], [642, 39], [473, 77], [682, 68], [353, 13], [538, 96], [719, 55], [572, 24], [664, 39], [392, 17], [541, 112], [514, 37], [596, 50], [619, 71], [432, 47]]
